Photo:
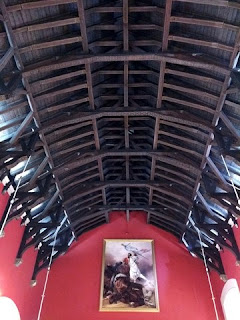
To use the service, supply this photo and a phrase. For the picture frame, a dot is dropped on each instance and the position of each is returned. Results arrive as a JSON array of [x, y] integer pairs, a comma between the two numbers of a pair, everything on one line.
[[128, 278]]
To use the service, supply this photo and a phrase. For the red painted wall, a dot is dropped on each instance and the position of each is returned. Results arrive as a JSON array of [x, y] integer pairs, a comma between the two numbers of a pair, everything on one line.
[[74, 282], [15, 282], [231, 270]]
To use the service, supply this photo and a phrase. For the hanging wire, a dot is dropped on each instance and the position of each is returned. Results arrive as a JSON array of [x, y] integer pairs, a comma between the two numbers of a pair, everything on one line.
[[207, 271], [49, 268], [14, 197], [233, 185]]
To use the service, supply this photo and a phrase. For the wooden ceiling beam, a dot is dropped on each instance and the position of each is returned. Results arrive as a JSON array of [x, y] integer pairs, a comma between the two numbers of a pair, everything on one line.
[[6, 58], [31, 101], [104, 155], [182, 88], [218, 3], [168, 200], [158, 186], [28, 119], [171, 116], [126, 95], [59, 106], [198, 42], [84, 203], [230, 126], [49, 44], [218, 112], [218, 174], [81, 172], [93, 156], [72, 138], [60, 90], [142, 8], [56, 78], [37, 5], [175, 172], [38, 171], [164, 202], [184, 59], [203, 22], [189, 104], [107, 9], [163, 177], [86, 48], [195, 76], [167, 14], [58, 22]]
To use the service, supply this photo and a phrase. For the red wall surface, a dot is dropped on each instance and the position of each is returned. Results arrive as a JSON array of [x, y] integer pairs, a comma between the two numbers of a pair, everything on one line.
[[74, 283], [15, 282], [231, 270]]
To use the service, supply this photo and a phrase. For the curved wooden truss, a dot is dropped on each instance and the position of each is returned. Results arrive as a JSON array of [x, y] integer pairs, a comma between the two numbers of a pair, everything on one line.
[[122, 105]]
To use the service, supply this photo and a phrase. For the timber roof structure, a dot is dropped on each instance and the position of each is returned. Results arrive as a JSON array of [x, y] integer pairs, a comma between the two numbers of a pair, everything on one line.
[[121, 105]]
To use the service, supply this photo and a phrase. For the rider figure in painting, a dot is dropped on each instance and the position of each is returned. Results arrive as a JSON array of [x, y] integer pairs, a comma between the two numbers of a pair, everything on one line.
[[135, 273]]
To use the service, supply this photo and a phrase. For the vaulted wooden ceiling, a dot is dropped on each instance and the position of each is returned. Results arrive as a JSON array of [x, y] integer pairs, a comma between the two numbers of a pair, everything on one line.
[[121, 105]]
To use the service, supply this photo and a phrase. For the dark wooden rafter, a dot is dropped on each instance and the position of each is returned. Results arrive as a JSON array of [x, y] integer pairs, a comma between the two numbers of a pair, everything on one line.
[[221, 3], [183, 59], [218, 111], [85, 44], [124, 106], [167, 15], [126, 94], [31, 101], [22, 197]]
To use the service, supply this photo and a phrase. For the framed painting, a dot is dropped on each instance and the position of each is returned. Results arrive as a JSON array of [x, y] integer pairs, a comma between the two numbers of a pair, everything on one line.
[[129, 281]]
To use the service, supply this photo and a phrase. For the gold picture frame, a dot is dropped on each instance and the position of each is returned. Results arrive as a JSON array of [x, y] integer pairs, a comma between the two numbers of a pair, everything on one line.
[[129, 280]]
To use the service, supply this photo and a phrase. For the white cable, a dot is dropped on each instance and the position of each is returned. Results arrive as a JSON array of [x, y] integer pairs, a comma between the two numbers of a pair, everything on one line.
[[233, 185], [208, 276], [14, 196], [49, 268]]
